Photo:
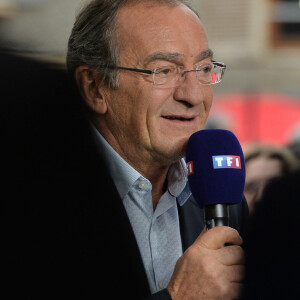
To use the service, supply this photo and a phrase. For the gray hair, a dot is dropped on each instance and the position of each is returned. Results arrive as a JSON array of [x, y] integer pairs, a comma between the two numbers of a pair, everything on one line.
[[93, 40]]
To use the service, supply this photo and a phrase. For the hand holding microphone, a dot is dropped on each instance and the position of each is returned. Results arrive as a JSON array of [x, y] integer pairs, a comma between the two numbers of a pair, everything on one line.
[[207, 269]]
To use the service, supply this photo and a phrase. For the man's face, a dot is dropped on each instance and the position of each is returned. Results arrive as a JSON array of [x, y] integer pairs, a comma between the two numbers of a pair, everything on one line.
[[146, 123]]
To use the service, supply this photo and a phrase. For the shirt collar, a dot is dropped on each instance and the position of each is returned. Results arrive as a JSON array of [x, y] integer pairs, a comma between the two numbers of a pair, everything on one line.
[[122, 173], [177, 181]]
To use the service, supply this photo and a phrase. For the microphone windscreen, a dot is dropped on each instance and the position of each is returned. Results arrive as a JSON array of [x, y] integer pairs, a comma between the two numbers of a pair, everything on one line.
[[216, 167]]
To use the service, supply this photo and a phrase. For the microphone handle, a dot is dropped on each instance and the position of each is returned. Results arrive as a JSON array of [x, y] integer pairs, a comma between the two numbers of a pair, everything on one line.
[[216, 215]]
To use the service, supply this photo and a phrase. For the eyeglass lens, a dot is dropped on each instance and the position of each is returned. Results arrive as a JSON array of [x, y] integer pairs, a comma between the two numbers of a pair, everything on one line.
[[172, 76]]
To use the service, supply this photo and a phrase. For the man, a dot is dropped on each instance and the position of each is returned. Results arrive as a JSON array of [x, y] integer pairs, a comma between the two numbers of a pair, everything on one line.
[[118, 219]]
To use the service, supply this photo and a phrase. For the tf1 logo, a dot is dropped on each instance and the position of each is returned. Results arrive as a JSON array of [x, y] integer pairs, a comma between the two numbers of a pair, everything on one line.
[[226, 161]]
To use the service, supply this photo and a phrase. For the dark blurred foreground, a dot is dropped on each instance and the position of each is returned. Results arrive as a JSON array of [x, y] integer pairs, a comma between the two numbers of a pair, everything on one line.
[[38, 104], [272, 245]]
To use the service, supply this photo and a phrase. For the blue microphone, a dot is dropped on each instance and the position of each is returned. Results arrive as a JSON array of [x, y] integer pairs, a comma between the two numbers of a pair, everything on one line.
[[216, 173]]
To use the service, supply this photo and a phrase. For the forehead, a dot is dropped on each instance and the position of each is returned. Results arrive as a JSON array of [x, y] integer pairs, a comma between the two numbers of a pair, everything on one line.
[[144, 29]]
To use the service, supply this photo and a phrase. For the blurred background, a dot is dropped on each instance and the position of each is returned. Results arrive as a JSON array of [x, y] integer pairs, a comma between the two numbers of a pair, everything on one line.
[[259, 40]]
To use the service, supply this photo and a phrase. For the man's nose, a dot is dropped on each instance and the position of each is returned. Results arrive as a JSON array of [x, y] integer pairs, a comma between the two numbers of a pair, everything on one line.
[[190, 89]]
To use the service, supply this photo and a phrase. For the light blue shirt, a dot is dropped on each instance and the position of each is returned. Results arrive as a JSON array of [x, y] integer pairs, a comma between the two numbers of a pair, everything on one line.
[[157, 232]]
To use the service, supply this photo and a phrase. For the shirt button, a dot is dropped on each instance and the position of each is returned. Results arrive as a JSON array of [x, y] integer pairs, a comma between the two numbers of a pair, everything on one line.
[[161, 284], [143, 185]]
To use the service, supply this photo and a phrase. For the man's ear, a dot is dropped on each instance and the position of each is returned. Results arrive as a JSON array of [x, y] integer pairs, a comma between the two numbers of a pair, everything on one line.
[[92, 92]]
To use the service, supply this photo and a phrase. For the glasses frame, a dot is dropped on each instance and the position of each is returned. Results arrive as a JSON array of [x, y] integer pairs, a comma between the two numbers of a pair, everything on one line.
[[215, 63]]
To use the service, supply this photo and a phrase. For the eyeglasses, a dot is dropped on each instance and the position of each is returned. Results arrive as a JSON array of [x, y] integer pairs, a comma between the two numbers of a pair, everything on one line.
[[172, 75]]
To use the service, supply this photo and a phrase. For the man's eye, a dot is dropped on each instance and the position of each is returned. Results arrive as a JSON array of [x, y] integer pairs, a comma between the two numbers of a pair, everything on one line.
[[206, 69], [165, 71]]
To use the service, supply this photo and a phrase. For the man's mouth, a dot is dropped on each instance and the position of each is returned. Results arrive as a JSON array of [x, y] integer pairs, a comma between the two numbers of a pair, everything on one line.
[[178, 118]]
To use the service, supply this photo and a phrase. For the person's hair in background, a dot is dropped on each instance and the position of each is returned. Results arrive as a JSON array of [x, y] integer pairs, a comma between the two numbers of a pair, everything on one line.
[[264, 162], [294, 146]]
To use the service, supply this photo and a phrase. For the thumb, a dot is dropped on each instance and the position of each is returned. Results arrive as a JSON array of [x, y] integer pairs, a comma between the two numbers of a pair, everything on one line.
[[218, 236]]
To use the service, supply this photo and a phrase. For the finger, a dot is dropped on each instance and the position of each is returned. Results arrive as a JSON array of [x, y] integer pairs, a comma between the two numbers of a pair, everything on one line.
[[216, 237], [231, 255], [203, 231], [236, 274]]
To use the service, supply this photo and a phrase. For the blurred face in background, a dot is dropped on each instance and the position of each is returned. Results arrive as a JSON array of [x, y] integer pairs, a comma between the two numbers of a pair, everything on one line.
[[259, 170]]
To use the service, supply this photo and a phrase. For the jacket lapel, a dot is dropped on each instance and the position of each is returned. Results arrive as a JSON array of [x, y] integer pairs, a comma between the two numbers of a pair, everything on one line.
[[191, 218]]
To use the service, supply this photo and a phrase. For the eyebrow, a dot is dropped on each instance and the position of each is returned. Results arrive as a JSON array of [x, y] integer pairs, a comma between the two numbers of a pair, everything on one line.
[[205, 54], [168, 56], [177, 57]]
